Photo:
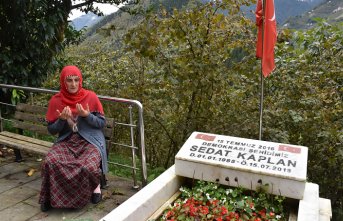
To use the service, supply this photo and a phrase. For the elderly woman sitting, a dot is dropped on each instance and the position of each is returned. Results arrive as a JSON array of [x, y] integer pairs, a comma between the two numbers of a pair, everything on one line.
[[72, 168]]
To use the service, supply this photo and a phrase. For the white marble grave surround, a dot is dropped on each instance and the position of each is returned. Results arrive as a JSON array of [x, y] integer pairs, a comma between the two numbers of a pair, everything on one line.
[[309, 206], [244, 162], [325, 212], [313, 208], [145, 202]]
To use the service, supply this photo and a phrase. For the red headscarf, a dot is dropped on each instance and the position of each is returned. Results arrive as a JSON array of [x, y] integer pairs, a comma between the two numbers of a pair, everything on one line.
[[64, 98]]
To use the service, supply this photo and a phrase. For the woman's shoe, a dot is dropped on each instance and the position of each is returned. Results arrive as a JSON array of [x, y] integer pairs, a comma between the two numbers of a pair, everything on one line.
[[96, 198], [45, 207]]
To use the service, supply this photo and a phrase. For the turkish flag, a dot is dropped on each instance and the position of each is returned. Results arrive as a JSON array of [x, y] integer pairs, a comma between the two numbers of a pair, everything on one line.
[[205, 137], [289, 149], [265, 46]]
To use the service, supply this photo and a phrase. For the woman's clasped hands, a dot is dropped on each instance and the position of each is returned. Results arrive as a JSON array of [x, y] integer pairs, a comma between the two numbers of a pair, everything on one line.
[[81, 111], [67, 113]]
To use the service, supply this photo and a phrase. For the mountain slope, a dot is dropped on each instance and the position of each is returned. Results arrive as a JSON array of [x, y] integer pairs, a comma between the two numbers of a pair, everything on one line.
[[284, 9], [108, 29], [289, 8], [330, 10], [85, 21]]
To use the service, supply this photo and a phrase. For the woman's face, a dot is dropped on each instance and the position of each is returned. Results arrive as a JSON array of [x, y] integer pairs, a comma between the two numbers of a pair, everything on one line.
[[72, 84]]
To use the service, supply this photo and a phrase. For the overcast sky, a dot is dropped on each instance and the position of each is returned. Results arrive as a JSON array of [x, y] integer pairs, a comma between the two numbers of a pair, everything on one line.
[[105, 8]]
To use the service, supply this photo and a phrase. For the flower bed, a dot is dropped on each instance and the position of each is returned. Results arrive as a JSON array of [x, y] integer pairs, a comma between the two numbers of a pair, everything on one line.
[[207, 201], [151, 202]]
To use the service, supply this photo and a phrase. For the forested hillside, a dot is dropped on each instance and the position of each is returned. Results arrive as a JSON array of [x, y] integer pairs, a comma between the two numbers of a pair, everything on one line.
[[120, 22], [286, 9], [85, 21], [194, 69], [331, 11]]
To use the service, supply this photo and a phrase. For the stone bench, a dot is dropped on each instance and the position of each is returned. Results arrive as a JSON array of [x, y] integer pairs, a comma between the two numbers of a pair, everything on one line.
[[30, 120]]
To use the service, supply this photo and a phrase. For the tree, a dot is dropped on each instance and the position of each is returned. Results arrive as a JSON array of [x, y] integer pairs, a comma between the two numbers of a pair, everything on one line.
[[33, 34], [304, 103], [183, 65]]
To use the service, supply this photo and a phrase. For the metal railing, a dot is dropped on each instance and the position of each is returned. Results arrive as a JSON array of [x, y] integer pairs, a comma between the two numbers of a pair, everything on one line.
[[131, 103]]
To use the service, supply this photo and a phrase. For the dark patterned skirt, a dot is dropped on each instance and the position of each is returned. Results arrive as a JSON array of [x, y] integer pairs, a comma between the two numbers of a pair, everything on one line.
[[70, 173]]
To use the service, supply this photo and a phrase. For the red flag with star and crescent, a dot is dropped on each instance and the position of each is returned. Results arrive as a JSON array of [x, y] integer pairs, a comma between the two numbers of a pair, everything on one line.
[[265, 46]]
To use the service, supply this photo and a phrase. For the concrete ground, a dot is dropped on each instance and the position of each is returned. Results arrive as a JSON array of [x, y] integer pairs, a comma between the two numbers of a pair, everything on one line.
[[19, 193]]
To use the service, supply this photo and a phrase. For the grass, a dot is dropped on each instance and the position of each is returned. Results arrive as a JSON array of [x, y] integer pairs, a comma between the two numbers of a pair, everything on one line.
[[128, 172]]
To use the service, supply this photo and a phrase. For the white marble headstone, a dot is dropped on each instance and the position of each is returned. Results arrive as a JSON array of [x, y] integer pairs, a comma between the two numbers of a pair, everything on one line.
[[244, 162]]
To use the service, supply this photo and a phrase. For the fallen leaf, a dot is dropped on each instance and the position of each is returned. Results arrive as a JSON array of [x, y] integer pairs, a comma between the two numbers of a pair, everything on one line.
[[31, 172], [106, 195]]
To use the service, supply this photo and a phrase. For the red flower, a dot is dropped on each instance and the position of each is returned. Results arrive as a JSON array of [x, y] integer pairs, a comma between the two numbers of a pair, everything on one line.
[[224, 210], [212, 202], [204, 210], [271, 214], [233, 215], [192, 210], [236, 215], [169, 214], [262, 212]]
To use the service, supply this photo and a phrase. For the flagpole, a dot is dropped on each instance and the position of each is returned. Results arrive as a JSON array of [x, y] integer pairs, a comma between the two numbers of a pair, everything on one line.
[[266, 40], [261, 76], [261, 105]]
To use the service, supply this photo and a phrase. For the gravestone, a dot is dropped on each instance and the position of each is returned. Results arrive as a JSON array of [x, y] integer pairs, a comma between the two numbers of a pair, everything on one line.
[[244, 162]]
